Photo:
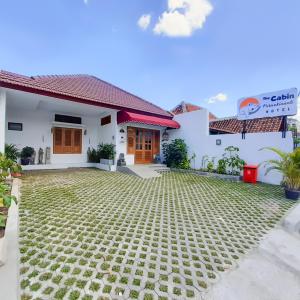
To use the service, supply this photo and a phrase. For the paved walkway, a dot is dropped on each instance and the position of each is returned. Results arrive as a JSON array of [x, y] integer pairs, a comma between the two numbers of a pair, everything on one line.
[[88, 233], [144, 171], [270, 272]]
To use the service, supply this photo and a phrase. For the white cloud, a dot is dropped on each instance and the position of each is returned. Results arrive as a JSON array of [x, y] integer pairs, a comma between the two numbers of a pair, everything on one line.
[[144, 21], [221, 97], [183, 17]]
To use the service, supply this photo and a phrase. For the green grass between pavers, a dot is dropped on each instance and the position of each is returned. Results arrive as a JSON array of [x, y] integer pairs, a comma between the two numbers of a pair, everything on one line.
[[94, 232]]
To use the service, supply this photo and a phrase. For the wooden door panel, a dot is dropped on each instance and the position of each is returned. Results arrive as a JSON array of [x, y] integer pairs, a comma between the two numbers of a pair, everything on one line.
[[67, 141], [130, 140], [77, 141], [148, 157], [57, 140], [156, 147], [145, 145]]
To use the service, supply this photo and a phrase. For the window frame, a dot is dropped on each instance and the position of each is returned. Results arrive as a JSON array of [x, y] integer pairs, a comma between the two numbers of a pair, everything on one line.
[[74, 147]]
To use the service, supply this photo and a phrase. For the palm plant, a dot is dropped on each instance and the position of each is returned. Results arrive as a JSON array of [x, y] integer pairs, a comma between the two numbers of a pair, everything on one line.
[[288, 165], [12, 152]]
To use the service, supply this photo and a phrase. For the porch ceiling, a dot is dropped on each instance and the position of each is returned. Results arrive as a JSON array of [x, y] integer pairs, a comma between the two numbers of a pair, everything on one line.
[[32, 102]]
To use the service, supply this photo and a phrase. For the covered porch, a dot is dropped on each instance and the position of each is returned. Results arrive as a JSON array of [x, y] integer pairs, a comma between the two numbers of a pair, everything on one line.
[[59, 131], [62, 131]]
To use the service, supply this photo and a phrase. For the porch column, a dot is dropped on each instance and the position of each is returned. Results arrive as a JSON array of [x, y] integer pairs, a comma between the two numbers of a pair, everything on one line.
[[2, 119]]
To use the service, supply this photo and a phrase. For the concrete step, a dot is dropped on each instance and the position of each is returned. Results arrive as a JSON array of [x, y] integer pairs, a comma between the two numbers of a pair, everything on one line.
[[159, 168], [142, 171]]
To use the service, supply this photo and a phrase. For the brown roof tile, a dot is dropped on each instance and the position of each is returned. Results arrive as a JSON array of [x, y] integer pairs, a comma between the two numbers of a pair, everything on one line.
[[233, 125], [188, 107], [81, 88]]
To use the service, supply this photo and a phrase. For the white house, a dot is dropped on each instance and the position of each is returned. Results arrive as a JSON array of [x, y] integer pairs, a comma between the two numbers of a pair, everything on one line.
[[65, 115]]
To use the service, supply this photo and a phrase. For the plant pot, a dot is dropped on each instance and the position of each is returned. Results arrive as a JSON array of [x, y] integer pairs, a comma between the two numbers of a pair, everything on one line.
[[4, 210], [25, 161], [16, 174], [2, 232], [291, 194]]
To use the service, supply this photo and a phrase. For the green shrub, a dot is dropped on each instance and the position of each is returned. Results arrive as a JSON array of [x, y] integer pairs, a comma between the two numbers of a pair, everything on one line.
[[210, 166], [27, 152], [233, 161], [106, 151], [176, 154], [7, 166], [11, 152], [93, 155], [221, 168], [288, 165]]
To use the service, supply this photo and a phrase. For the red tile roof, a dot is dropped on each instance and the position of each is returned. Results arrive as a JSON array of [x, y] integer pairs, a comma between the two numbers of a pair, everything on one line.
[[184, 107], [129, 117], [233, 125], [80, 88]]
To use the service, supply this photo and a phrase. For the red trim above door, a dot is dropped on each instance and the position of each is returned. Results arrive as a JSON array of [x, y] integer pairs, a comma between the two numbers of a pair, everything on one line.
[[129, 117]]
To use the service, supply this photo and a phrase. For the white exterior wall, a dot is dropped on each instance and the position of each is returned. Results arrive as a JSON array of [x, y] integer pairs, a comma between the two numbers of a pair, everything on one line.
[[108, 132], [250, 149], [195, 131], [37, 134], [2, 119]]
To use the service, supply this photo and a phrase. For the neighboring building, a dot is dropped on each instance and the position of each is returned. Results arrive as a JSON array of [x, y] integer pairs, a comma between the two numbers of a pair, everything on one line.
[[184, 107], [233, 125], [70, 113]]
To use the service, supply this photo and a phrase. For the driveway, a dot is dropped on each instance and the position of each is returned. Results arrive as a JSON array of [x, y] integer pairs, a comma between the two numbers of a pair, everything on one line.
[[89, 234]]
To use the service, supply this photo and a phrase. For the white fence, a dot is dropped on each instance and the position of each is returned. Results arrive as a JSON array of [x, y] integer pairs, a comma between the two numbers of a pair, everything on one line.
[[195, 131]]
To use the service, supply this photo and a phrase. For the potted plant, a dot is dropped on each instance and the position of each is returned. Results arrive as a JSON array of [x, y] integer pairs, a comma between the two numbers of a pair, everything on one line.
[[26, 155], [11, 152], [2, 224], [289, 166], [107, 153]]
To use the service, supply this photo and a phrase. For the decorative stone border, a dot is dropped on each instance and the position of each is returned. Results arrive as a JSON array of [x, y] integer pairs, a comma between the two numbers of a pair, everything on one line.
[[208, 174], [9, 250], [2, 250]]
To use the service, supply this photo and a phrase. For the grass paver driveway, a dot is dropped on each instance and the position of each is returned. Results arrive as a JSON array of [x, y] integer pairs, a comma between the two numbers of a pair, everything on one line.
[[89, 234]]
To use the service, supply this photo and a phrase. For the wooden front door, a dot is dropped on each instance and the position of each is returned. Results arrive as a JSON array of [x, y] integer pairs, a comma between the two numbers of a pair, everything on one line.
[[143, 143]]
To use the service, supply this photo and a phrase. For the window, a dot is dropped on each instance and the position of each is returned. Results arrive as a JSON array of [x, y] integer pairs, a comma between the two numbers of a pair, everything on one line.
[[15, 126], [105, 120], [67, 119], [67, 140]]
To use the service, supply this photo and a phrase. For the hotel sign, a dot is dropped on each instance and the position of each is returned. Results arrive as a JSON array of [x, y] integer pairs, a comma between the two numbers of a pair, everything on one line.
[[280, 103]]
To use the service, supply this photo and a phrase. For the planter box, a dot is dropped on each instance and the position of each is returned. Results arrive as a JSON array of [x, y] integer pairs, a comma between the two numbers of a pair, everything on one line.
[[106, 161], [214, 175], [106, 167]]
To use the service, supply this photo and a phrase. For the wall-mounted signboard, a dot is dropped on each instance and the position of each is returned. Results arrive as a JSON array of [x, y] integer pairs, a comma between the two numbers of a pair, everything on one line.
[[280, 103]]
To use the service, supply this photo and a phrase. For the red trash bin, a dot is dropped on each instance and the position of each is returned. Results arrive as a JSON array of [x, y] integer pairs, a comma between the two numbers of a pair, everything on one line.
[[250, 173]]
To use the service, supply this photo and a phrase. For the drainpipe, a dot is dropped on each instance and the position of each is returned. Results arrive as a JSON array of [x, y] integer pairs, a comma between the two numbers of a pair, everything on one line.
[[2, 119]]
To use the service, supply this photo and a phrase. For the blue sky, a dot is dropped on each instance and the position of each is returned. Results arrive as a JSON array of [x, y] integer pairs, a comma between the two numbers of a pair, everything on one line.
[[207, 52]]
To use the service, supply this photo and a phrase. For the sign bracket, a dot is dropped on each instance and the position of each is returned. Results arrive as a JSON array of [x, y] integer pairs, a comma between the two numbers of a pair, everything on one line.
[[244, 130], [284, 127]]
